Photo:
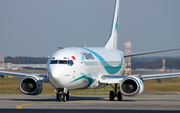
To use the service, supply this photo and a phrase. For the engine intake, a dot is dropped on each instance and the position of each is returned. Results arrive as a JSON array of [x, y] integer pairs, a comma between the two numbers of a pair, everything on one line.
[[31, 85], [131, 86]]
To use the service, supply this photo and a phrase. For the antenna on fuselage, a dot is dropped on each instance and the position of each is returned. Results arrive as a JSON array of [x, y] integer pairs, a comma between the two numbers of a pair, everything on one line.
[[84, 45], [60, 48]]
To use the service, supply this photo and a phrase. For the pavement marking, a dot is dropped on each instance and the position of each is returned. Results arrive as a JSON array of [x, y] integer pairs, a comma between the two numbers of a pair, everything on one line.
[[50, 102], [20, 106]]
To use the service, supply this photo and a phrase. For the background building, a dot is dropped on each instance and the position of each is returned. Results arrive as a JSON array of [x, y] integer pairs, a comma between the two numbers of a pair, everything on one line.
[[2, 62], [128, 59]]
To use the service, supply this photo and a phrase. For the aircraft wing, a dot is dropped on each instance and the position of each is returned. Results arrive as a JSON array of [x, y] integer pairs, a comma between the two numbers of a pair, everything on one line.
[[108, 79], [149, 52], [21, 74]]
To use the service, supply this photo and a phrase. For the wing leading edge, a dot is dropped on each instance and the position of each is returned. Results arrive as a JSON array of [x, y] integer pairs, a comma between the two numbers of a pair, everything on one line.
[[21, 74], [108, 79], [149, 52]]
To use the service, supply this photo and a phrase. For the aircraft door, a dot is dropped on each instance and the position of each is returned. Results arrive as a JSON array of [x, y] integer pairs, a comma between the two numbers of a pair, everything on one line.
[[79, 70]]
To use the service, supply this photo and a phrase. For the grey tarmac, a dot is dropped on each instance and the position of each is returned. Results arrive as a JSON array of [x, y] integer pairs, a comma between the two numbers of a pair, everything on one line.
[[161, 103]]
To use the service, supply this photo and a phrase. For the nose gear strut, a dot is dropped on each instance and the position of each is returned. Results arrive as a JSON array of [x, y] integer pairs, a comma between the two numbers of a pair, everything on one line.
[[62, 94]]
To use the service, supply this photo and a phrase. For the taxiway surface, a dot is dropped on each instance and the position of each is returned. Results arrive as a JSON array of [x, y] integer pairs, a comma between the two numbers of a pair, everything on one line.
[[90, 103]]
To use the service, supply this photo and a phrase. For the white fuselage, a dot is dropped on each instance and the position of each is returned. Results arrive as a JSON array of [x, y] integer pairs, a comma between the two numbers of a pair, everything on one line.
[[81, 68]]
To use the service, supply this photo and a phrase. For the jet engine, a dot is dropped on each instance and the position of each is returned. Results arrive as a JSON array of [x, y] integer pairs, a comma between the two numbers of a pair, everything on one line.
[[131, 86], [31, 85]]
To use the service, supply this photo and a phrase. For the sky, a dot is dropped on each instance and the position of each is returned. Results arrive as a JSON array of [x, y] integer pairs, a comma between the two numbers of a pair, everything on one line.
[[37, 27]]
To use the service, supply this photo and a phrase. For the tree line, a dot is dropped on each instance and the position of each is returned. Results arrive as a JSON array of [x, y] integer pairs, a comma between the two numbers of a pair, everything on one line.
[[26, 60]]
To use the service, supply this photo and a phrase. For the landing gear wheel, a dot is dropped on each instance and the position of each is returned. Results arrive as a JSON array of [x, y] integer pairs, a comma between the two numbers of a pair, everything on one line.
[[62, 94], [114, 93], [119, 96], [59, 97], [67, 96], [64, 98], [111, 95]]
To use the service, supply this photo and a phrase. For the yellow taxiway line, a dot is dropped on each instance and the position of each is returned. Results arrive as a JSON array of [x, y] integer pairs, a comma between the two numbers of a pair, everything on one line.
[[20, 107]]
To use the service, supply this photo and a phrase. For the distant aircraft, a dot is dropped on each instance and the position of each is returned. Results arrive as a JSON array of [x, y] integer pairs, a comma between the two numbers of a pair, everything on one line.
[[81, 68]]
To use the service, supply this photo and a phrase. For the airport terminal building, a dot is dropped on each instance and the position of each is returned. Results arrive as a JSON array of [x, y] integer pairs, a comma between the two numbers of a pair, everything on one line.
[[10, 66]]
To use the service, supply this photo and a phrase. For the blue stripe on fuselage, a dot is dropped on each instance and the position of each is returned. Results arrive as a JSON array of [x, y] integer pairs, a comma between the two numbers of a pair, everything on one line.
[[86, 76], [110, 69]]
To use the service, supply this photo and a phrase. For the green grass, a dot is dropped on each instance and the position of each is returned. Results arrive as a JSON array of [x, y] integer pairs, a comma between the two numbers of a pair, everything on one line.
[[11, 86], [167, 85]]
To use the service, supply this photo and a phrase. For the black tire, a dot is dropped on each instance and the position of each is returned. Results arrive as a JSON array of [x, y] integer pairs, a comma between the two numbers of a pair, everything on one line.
[[57, 96], [119, 96], [64, 98], [111, 95], [67, 96]]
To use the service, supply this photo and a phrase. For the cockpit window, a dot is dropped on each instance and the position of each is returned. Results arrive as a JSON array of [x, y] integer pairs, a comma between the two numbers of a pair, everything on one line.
[[54, 61], [69, 62], [62, 61]]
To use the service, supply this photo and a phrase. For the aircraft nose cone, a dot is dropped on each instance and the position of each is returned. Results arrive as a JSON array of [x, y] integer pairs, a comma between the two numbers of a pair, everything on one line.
[[56, 77], [54, 73]]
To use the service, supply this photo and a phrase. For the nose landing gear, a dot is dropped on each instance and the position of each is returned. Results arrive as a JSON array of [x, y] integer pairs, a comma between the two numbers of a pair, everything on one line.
[[62, 94]]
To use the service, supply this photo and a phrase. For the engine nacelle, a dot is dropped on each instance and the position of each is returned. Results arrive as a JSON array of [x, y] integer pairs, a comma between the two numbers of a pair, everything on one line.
[[31, 85], [131, 86]]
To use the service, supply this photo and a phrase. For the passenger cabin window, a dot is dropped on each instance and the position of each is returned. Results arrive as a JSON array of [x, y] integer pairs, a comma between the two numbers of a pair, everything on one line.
[[67, 62]]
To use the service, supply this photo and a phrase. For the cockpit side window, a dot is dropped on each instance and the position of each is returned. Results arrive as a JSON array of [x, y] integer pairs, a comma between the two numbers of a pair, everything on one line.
[[69, 62]]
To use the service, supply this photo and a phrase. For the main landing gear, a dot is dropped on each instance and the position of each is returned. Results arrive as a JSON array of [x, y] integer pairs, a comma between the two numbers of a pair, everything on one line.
[[62, 94], [114, 94]]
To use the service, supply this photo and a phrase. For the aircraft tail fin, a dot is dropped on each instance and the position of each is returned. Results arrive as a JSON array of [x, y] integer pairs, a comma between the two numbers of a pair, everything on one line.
[[112, 42]]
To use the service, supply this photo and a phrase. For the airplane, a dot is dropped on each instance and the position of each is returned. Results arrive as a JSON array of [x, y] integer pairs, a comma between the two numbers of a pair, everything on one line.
[[74, 68]]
